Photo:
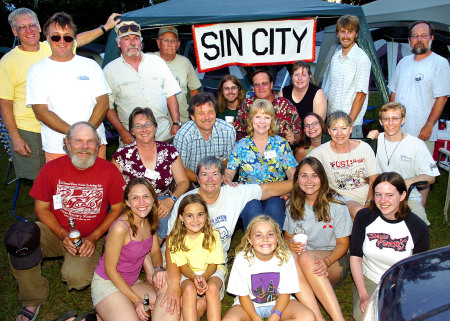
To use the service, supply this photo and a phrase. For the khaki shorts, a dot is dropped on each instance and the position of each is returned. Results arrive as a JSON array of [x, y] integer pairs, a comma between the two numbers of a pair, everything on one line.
[[29, 166], [220, 274], [101, 288]]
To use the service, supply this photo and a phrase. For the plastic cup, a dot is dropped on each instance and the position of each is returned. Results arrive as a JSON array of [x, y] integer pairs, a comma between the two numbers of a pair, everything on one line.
[[303, 238], [229, 119]]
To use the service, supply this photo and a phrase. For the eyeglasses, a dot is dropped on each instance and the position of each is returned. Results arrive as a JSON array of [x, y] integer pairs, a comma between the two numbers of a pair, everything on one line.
[[57, 38], [263, 84], [232, 88], [171, 41], [126, 28], [31, 26], [417, 37], [146, 125], [388, 119], [312, 124]]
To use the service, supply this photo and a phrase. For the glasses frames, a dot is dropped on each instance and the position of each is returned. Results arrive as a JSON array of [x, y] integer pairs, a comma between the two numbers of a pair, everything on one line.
[[146, 125], [57, 38], [126, 28], [31, 26]]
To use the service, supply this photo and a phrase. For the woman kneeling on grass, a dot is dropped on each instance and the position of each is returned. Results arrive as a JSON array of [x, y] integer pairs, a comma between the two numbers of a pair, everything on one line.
[[322, 261], [132, 243], [263, 277]]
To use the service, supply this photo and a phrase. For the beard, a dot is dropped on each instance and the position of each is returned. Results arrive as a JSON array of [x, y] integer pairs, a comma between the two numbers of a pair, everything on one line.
[[82, 163], [420, 50], [129, 54]]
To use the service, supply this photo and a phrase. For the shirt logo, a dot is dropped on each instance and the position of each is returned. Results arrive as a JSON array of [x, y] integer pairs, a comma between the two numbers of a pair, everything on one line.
[[83, 78], [385, 241], [419, 77]]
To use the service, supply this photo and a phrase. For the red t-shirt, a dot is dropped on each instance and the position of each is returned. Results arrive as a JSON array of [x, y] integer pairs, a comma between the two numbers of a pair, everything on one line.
[[85, 194]]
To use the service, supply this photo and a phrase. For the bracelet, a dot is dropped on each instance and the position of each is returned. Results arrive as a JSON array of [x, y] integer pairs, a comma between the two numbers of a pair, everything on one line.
[[326, 262], [103, 29], [158, 268], [277, 312]]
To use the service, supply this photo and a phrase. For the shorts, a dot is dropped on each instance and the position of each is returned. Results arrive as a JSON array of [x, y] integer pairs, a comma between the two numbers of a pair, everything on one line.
[[101, 288], [219, 273], [29, 166], [370, 287], [264, 311], [344, 262]]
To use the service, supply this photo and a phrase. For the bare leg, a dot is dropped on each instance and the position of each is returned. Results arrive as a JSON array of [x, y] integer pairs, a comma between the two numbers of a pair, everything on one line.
[[353, 208], [213, 305], [236, 313], [189, 299], [296, 311]]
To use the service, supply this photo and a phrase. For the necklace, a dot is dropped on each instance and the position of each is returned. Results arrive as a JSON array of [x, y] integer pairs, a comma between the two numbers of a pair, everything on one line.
[[385, 149]]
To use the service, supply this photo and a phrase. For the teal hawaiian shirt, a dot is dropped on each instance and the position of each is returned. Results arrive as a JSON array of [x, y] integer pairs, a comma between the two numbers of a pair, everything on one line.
[[254, 168]]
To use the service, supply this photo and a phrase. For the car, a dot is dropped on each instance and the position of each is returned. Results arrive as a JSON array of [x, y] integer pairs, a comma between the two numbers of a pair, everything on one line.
[[415, 288]]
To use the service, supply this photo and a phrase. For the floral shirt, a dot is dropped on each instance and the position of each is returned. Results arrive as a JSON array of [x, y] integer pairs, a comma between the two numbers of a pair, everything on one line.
[[254, 168], [286, 115], [131, 165]]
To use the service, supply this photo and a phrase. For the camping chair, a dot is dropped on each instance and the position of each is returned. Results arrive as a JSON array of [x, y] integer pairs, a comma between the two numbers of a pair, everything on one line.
[[445, 164]]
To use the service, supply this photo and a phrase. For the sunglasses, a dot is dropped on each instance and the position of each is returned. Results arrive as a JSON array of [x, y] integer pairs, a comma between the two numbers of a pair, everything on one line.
[[126, 28], [57, 38]]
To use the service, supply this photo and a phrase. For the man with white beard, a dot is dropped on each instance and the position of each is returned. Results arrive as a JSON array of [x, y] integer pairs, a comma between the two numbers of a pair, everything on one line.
[[79, 185]]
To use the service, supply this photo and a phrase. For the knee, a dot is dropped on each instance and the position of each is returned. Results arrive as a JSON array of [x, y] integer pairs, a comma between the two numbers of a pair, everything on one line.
[[306, 260], [190, 290], [308, 315], [77, 281], [213, 291]]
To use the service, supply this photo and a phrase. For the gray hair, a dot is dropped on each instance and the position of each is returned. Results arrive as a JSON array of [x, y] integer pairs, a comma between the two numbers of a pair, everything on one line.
[[80, 123], [334, 117], [210, 161], [20, 13]]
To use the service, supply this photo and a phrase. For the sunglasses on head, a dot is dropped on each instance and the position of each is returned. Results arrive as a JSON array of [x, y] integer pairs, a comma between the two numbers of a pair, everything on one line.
[[126, 28], [57, 38]]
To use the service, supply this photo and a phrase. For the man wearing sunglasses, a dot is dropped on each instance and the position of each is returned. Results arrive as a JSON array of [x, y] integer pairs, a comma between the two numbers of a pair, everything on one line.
[[65, 88], [23, 127], [181, 68], [140, 80]]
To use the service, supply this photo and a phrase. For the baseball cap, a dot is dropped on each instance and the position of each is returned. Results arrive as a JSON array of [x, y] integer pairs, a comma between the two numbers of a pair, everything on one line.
[[126, 28], [23, 244], [168, 29]]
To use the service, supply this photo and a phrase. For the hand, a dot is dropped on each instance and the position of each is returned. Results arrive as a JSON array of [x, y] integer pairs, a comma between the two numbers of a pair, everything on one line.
[[68, 245], [373, 134], [227, 180], [321, 268], [363, 302], [87, 248], [21, 147], [296, 247], [289, 136], [173, 298], [201, 284], [110, 23], [140, 311], [426, 131], [159, 279], [165, 206], [174, 130], [286, 196], [126, 137]]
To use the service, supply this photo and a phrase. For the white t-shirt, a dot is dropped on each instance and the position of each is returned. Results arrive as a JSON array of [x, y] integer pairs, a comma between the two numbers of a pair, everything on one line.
[[70, 90], [225, 211], [263, 281], [347, 172], [345, 77], [416, 85], [322, 235], [409, 157]]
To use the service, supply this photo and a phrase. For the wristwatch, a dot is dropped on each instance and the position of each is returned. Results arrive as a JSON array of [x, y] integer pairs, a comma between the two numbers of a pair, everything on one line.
[[174, 198], [177, 123]]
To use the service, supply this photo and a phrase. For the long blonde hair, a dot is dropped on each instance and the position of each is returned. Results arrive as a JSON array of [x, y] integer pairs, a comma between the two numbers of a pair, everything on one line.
[[282, 252], [177, 236]]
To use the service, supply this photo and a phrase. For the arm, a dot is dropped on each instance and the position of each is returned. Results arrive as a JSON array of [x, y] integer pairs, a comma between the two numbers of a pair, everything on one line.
[[418, 178], [19, 144], [290, 173], [296, 247], [357, 105], [193, 92], [158, 277], [249, 308], [358, 278], [191, 175], [173, 294], [88, 36], [100, 109], [280, 305], [275, 189], [113, 161], [229, 175], [342, 244], [435, 113], [392, 97], [320, 104], [172, 105], [280, 93], [50, 119], [371, 180], [125, 135]]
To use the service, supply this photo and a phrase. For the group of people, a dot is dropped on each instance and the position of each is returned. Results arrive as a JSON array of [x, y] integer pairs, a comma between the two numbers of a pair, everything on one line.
[[244, 157]]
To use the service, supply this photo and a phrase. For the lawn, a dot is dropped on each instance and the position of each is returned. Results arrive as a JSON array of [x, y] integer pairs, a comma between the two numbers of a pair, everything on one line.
[[61, 300]]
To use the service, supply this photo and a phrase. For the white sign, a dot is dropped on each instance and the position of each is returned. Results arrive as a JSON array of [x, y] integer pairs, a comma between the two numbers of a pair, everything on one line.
[[254, 43]]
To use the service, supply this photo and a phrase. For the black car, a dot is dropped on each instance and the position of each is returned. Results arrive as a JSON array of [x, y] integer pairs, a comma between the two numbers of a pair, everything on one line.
[[416, 288]]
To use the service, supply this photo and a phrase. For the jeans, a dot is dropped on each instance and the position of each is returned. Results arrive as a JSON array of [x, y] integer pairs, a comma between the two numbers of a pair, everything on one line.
[[273, 207], [357, 131], [163, 222]]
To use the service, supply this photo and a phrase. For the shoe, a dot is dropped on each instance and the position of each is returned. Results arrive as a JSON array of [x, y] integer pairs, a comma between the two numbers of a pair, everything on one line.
[[88, 316], [66, 315], [32, 316]]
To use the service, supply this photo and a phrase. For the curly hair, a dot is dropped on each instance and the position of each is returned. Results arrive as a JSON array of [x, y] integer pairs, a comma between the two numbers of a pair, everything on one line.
[[321, 207], [282, 251], [177, 236], [152, 217]]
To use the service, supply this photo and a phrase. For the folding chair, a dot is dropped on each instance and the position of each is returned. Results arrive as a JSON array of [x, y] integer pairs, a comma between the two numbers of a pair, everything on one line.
[[445, 164]]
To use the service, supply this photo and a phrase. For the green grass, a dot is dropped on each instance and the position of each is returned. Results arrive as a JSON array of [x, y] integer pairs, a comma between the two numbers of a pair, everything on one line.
[[61, 300]]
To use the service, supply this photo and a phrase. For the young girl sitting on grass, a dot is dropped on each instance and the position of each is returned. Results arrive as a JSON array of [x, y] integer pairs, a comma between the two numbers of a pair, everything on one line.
[[263, 276], [195, 247]]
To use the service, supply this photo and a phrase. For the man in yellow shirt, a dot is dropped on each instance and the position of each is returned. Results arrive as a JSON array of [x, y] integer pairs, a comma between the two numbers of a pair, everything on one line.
[[23, 127]]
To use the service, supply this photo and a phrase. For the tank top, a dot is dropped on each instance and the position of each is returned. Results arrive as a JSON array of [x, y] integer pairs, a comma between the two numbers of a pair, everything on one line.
[[305, 105], [131, 258]]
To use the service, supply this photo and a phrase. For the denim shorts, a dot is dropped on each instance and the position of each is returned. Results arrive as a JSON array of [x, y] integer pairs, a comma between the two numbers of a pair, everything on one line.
[[264, 311]]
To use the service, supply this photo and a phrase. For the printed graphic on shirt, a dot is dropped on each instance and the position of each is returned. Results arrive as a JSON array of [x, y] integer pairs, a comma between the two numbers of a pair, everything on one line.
[[349, 174], [264, 286], [82, 201], [219, 225], [328, 223], [384, 241]]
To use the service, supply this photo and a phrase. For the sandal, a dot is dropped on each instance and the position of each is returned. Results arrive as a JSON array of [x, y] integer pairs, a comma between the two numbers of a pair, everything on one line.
[[32, 316], [88, 315], [66, 315]]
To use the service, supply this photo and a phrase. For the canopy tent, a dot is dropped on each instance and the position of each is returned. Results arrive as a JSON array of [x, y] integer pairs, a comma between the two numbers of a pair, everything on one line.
[[184, 13], [392, 18]]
